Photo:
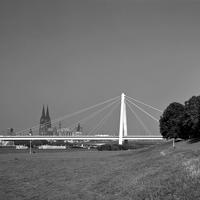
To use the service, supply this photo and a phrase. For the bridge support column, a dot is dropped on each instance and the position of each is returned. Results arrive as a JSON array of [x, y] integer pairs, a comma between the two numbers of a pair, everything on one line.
[[123, 120]]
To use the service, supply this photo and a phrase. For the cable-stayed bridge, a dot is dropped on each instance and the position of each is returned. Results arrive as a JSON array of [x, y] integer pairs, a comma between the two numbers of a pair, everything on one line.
[[114, 119]]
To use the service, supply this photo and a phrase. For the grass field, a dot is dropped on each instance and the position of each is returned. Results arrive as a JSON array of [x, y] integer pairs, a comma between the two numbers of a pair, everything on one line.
[[155, 172]]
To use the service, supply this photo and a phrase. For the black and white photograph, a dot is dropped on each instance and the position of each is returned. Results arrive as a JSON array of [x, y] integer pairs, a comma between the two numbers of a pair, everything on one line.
[[99, 99]]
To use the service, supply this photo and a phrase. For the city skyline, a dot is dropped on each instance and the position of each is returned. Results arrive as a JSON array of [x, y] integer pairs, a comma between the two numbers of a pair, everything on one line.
[[73, 54]]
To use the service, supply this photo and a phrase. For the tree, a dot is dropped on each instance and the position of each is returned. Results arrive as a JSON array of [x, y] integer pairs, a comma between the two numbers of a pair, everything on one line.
[[171, 121], [192, 119], [184, 127]]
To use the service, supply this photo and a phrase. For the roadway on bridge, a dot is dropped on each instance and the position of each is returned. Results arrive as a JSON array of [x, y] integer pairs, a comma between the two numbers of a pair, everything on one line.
[[12, 138]]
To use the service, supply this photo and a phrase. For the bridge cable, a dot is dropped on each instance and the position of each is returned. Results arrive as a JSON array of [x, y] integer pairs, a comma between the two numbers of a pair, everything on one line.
[[83, 120], [145, 104], [104, 118], [138, 118], [151, 116], [69, 115], [85, 109]]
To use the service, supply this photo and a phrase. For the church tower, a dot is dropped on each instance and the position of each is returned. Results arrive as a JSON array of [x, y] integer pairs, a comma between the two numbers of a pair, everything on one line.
[[42, 128], [48, 119], [45, 122]]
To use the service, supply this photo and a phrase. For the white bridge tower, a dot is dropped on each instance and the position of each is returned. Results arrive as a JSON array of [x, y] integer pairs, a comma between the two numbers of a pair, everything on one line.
[[123, 120]]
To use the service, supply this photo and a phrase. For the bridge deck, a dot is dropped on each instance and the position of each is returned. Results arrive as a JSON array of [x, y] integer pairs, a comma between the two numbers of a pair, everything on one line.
[[79, 138]]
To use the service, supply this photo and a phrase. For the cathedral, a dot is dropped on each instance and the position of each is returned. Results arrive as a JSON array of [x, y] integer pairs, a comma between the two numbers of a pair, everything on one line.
[[45, 122]]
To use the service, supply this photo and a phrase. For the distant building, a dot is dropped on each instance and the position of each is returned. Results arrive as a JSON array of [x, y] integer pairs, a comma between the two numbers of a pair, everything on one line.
[[69, 132], [45, 127], [10, 132], [45, 123], [6, 143], [64, 132], [79, 128]]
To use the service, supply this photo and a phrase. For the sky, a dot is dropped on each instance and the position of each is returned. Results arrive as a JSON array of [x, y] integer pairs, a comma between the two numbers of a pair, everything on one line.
[[72, 54]]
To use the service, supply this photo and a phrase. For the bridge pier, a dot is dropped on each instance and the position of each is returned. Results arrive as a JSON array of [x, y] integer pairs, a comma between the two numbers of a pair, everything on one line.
[[120, 140], [123, 120]]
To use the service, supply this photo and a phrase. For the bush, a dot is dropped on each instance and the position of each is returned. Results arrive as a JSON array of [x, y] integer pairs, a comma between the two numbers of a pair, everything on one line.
[[105, 147], [116, 147], [112, 147]]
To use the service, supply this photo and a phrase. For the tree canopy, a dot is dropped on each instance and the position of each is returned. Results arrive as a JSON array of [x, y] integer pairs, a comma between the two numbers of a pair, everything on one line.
[[192, 120], [181, 121], [170, 120]]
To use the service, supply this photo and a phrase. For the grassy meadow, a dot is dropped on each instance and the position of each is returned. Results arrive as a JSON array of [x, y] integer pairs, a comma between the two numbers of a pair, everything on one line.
[[154, 172]]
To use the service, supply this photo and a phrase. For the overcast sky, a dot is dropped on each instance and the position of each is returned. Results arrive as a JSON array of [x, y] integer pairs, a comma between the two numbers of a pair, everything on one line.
[[72, 54]]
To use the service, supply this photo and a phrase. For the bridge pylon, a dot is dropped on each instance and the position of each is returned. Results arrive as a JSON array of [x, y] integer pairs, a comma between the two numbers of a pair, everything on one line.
[[123, 120]]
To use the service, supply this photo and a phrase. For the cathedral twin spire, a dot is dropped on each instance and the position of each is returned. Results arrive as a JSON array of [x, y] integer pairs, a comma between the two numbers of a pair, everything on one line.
[[45, 121], [43, 117]]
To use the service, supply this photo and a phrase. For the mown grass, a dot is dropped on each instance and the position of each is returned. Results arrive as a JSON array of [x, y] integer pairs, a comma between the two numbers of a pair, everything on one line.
[[151, 173]]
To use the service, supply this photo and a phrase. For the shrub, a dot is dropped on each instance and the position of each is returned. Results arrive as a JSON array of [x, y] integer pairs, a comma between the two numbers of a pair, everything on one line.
[[112, 147]]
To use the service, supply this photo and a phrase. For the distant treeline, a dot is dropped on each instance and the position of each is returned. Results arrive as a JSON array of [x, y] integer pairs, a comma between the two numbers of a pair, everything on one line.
[[181, 121]]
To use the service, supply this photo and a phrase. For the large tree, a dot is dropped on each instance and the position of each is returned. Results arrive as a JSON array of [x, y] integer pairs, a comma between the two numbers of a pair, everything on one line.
[[192, 119], [171, 121]]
